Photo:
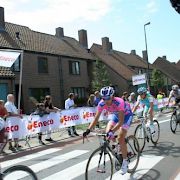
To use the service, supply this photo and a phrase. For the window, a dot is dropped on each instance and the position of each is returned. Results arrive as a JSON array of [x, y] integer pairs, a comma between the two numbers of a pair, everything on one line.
[[42, 65], [80, 91], [16, 65], [74, 67], [39, 93]]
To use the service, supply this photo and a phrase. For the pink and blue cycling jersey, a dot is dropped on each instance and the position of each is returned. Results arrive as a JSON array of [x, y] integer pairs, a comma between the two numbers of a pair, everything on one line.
[[118, 104]]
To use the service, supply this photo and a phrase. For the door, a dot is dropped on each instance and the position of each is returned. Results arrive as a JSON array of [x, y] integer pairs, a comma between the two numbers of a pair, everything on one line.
[[3, 91]]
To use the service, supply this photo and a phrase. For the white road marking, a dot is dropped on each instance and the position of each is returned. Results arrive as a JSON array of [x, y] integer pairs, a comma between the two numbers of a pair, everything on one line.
[[28, 157], [146, 162], [177, 177], [49, 163], [76, 170]]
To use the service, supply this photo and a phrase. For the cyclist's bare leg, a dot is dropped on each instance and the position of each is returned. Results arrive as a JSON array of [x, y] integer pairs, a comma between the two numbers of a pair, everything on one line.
[[109, 127], [121, 139]]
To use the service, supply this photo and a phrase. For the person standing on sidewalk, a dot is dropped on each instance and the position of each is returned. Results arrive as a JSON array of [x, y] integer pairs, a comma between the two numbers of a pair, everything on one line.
[[69, 104], [49, 107], [13, 112], [3, 114], [97, 98]]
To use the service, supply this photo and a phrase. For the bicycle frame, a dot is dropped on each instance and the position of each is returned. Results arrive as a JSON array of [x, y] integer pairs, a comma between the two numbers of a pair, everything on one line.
[[143, 122]]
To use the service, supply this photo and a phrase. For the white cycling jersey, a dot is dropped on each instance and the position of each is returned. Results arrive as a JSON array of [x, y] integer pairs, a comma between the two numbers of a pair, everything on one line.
[[173, 94]]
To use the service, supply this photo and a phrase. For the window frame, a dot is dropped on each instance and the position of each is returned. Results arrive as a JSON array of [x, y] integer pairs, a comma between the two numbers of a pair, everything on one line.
[[30, 94], [40, 58], [74, 68], [81, 91]]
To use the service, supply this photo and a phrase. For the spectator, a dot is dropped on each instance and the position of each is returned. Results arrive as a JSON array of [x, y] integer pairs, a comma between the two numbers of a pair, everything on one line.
[[13, 112], [125, 96], [40, 110], [91, 101], [132, 98], [49, 107], [97, 98], [160, 95], [69, 104], [3, 114]]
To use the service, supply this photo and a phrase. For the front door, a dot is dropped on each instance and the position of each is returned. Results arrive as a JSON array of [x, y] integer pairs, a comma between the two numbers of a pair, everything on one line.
[[3, 91]]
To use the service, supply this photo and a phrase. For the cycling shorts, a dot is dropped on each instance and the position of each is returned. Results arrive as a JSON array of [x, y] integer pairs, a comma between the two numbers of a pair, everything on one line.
[[177, 100], [127, 121]]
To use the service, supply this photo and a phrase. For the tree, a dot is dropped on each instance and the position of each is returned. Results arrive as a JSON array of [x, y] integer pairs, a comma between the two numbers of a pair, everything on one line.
[[100, 76], [157, 79]]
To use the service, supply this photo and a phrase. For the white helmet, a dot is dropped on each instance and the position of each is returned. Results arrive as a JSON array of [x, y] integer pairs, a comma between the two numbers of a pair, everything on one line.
[[107, 92], [175, 87], [2, 124]]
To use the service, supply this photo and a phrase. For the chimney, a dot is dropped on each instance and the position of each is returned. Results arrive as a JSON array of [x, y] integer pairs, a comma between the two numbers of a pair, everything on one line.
[[2, 22], [110, 46], [83, 40], [133, 52], [144, 55], [59, 32], [105, 44], [164, 57]]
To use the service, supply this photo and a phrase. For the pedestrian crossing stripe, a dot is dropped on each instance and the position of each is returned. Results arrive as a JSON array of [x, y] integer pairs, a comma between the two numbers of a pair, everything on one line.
[[146, 163], [29, 157], [50, 162]]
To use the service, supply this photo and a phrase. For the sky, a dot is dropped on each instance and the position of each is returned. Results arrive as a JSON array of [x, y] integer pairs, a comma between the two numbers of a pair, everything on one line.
[[120, 20]]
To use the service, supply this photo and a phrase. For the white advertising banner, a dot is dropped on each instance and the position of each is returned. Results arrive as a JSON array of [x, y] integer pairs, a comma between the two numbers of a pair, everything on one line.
[[33, 124], [7, 59], [139, 79]]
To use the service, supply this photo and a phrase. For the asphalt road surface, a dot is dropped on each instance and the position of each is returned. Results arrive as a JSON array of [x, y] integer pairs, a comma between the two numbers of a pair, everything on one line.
[[68, 162]]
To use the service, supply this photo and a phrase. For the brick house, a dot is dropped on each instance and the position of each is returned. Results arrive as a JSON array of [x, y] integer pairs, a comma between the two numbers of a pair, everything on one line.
[[124, 64], [7, 79], [53, 65], [170, 71]]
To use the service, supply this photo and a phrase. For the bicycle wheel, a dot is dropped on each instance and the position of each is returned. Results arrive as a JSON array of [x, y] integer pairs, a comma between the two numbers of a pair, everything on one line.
[[173, 123], [19, 172], [133, 153], [155, 136], [140, 136], [99, 165]]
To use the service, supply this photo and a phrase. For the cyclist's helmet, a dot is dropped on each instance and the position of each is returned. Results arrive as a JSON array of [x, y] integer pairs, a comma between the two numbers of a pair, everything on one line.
[[175, 87], [141, 90], [107, 92], [2, 124]]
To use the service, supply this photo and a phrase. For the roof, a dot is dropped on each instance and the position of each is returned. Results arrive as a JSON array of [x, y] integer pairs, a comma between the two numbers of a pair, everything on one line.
[[178, 64], [5, 72], [131, 59], [167, 68], [113, 62], [40, 42]]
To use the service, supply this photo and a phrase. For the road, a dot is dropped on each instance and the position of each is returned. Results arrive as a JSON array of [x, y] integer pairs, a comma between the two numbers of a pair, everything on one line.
[[66, 163]]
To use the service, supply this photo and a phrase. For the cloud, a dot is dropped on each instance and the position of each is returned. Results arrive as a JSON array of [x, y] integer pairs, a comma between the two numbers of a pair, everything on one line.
[[43, 13], [151, 7]]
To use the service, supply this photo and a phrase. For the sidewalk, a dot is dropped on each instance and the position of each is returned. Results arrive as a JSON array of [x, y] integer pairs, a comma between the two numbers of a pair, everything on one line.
[[58, 136]]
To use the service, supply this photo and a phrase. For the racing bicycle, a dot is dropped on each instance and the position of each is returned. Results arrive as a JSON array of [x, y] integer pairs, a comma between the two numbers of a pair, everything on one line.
[[16, 172], [175, 119], [100, 164], [143, 133]]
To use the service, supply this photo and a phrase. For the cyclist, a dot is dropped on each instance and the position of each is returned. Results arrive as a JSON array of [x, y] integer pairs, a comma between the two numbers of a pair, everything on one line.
[[120, 120], [147, 100], [175, 92]]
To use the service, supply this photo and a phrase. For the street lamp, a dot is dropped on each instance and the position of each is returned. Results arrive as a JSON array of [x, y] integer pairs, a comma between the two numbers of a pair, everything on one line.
[[148, 76]]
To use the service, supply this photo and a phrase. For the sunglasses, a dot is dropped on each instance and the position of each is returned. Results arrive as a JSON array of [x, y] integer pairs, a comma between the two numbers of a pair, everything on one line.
[[106, 98]]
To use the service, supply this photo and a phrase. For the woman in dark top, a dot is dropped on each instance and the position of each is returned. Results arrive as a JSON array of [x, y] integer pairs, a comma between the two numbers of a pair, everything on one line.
[[49, 107]]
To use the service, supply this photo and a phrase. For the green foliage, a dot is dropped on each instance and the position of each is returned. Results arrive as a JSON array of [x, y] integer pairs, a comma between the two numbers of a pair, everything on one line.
[[100, 76], [157, 79]]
